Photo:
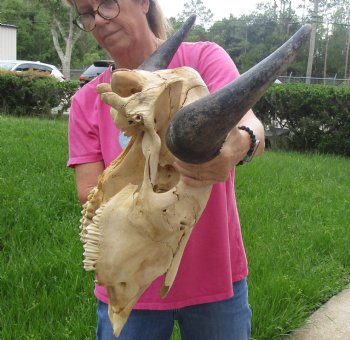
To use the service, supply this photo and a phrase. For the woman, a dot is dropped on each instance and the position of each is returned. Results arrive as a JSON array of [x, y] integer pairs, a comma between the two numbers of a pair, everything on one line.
[[209, 297]]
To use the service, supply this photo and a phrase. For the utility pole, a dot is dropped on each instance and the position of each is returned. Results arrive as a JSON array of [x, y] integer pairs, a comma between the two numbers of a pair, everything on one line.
[[312, 43], [347, 45]]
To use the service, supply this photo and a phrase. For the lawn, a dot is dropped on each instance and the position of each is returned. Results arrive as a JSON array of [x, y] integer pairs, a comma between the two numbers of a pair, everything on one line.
[[294, 211]]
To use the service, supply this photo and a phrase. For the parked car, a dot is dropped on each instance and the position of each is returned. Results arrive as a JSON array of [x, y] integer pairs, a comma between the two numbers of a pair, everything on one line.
[[26, 65], [93, 71]]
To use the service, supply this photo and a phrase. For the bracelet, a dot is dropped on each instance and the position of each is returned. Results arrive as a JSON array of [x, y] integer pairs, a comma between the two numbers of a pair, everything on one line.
[[253, 145]]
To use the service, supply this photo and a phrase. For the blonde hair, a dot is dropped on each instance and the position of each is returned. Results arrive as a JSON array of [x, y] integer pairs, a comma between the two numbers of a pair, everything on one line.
[[157, 22]]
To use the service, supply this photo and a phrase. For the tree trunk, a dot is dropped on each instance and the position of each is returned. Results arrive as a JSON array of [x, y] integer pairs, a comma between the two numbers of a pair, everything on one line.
[[70, 39], [312, 44], [325, 58], [347, 47]]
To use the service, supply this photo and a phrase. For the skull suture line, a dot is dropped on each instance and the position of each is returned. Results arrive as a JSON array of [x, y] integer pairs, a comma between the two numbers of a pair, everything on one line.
[[139, 218]]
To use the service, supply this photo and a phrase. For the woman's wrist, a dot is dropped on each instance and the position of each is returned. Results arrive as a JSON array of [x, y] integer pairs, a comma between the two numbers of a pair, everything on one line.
[[254, 143]]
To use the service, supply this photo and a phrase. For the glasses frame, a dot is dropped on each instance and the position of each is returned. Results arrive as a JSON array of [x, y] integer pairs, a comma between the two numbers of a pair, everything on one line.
[[92, 14]]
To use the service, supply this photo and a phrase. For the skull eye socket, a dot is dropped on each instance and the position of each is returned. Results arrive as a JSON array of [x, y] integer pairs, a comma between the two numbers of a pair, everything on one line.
[[135, 90], [126, 91], [126, 83]]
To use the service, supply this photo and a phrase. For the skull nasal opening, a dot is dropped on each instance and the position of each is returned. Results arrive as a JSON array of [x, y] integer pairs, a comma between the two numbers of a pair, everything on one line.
[[127, 82]]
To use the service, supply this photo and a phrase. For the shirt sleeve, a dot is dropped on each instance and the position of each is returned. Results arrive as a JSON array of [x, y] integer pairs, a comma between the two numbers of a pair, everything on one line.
[[215, 66], [83, 129]]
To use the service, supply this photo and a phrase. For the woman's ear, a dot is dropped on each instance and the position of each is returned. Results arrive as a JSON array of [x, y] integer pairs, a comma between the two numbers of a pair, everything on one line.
[[145, 5]]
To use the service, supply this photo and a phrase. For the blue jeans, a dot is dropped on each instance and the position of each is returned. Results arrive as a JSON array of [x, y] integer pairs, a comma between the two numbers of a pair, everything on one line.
[[223, 320]]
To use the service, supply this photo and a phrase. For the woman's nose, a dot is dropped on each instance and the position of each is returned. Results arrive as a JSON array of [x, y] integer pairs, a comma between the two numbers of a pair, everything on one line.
[[99, 20]]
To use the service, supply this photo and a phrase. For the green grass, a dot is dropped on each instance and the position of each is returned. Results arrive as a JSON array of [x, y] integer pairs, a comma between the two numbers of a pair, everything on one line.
[[294, 211], [44, 292], [295, 216]]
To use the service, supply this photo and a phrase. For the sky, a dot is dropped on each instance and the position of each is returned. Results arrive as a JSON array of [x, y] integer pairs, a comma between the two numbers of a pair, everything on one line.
[[220, 8]]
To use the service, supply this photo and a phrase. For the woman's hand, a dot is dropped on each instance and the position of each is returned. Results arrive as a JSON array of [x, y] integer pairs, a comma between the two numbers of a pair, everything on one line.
[[235, 147]]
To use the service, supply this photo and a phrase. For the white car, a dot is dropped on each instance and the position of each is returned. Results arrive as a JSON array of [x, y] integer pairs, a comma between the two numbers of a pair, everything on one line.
[[25, 65]]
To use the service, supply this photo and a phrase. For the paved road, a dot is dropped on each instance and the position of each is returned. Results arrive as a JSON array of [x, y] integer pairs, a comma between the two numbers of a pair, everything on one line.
[[330, 322]]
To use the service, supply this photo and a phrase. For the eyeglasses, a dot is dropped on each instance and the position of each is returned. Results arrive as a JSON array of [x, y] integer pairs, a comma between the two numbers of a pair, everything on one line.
[[107, 9]]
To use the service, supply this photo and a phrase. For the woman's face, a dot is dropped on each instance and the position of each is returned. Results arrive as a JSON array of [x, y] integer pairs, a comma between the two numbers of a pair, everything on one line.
[[123, 32]]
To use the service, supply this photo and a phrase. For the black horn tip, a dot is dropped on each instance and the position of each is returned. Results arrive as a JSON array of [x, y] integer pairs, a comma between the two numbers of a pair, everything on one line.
[[161, 58], [190, 21]]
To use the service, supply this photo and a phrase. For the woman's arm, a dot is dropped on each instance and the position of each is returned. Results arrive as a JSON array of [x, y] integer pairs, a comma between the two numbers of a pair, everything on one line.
[[86, 176], [234, 149], [252, 122]]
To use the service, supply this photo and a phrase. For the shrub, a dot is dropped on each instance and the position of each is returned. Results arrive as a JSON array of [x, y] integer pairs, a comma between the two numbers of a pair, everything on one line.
[[317, 116], [33, 93]]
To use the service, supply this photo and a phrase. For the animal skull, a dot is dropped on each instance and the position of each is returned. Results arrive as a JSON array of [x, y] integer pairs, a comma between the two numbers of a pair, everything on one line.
[[138, 219]]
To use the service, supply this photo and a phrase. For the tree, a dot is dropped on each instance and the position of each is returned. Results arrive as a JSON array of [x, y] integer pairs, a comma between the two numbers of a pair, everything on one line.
[[312, 43], [231, 34], [31, 21], [326, 53], [247, 38], [347, 43], [43, 21], [63, 38], [338, 40], [204, 15], [336, 51]]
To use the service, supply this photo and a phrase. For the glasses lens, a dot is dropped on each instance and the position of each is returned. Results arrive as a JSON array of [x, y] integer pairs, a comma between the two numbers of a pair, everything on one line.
[[86, 22], [108, 9]]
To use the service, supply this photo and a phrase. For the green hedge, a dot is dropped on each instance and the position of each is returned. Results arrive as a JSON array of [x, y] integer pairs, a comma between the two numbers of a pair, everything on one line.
[[34, 94], [317, 116]]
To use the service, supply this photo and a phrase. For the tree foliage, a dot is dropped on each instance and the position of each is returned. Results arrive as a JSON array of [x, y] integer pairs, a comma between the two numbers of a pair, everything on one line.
[[316, 116], [45, 32], [204, 15]]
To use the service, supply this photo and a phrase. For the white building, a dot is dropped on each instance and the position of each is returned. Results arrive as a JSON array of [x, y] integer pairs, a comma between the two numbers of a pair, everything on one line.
[[8, 42]]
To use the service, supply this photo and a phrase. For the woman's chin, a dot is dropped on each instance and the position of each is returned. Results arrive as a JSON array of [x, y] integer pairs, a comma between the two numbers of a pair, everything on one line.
[[113, 43]]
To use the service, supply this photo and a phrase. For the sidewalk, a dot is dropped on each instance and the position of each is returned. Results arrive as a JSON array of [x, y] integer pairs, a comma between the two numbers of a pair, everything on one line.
[[330, 322]]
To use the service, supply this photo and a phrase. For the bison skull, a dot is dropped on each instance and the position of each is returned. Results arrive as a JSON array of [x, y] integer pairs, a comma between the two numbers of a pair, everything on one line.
[[139, 218]]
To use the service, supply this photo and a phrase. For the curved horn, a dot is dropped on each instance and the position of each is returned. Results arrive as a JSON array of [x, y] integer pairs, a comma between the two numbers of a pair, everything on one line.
[[198, 130], [161, 58]]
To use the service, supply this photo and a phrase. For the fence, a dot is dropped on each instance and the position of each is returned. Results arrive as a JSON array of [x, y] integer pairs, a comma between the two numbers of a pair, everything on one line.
[[314, 80], [75, 74]]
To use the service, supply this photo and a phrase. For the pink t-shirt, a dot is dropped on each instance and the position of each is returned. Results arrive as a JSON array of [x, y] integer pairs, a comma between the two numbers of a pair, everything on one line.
[[214, 256]]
